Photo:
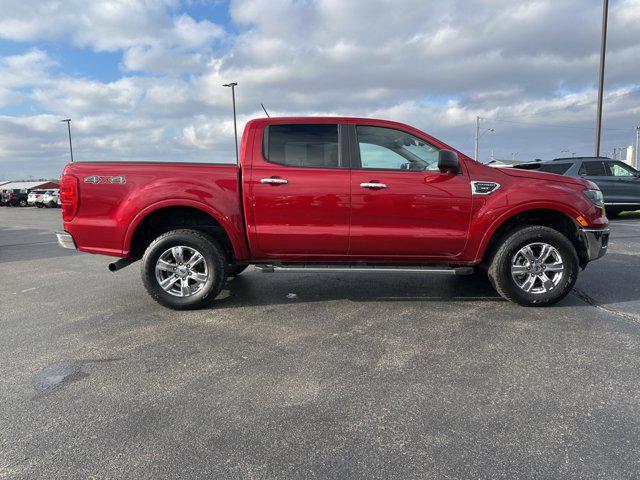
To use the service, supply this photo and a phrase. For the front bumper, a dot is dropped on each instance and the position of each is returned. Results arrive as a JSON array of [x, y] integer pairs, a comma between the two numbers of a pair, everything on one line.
[[65, 240], [596, 241]]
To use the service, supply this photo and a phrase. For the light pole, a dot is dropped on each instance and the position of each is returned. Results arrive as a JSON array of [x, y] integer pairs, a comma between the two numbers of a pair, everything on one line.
[[68, 121], [477, 145], [235, 126], [603, 50], [478, 135], [637, 146]]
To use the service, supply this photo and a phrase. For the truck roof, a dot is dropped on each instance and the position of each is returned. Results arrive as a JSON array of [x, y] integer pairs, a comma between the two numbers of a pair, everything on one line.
[[323, 119]]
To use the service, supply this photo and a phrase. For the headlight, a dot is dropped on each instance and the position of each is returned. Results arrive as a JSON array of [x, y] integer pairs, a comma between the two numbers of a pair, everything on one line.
[[595, 196]]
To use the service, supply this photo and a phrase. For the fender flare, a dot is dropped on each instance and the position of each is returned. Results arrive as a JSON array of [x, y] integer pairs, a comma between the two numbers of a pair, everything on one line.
[[563, 208], [226, 223]]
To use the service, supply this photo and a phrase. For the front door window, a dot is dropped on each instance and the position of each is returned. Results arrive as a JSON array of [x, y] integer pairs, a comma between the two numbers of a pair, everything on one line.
[[389, 149]]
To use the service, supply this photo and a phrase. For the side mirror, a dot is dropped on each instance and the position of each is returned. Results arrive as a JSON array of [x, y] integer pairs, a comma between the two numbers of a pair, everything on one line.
[[448, 161]]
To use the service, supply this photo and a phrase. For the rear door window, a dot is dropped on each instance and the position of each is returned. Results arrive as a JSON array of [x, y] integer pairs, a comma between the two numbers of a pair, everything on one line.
[[303, 145], [557, 168], [621, 170], [593, 169]]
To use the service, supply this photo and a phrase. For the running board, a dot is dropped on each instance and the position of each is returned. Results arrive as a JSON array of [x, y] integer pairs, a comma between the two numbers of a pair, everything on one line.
[[316, 268]]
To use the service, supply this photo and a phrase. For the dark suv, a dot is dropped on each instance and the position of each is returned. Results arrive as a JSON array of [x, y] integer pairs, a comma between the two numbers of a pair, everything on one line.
[[14, 198], [620, 183]]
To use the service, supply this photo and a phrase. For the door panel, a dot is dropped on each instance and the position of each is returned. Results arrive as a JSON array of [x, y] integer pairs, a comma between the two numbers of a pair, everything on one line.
[[625, 183], [598, 172], [417, 214], [401, 205], [298, 208]]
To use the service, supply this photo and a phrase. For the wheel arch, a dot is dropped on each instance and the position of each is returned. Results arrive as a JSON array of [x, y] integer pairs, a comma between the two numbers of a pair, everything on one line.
[[561, 220], [168, 214]]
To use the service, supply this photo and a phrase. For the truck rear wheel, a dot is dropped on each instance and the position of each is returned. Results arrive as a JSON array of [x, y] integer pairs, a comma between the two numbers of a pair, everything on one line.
[[534, 266], [184, 269]]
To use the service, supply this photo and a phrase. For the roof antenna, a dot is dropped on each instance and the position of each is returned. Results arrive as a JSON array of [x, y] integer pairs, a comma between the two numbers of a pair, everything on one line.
[[265, 110]]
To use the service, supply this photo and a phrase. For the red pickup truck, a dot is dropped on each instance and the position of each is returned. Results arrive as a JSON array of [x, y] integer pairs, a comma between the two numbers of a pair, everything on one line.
[[329, 194]]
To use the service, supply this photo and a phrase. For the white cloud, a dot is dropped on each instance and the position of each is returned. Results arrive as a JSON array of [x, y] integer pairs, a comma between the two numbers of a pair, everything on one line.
[[433, 64], [144, 31]]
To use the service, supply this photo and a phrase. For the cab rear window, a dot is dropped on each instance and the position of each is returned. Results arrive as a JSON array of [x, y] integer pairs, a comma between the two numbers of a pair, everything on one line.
[[303, 145]]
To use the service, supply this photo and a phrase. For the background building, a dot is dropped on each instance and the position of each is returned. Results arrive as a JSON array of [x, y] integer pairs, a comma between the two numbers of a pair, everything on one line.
[[31, 185]]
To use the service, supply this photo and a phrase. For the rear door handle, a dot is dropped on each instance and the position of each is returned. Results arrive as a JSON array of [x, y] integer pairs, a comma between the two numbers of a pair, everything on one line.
[[274, 181], [373, 185]]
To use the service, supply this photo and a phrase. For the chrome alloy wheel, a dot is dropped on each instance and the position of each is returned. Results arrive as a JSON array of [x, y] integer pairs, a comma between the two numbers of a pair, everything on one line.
[[181, 271], [537, 268]]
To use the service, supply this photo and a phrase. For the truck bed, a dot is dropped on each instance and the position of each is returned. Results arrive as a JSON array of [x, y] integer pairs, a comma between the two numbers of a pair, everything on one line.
[[115, 196]]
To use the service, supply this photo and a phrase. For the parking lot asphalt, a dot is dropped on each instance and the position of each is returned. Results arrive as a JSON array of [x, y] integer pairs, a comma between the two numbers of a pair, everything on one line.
[[352, 376]]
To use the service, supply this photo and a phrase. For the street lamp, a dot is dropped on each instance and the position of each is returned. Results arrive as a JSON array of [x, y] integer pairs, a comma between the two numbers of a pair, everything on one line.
[[68, 121], [637, 165], [603, 50], [478, 135], [232, 85]]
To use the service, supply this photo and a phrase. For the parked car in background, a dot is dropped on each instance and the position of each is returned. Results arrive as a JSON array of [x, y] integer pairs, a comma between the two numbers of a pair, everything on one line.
[[40, 200], [14, 198], [51, 198], [619, 182], [34, 195]]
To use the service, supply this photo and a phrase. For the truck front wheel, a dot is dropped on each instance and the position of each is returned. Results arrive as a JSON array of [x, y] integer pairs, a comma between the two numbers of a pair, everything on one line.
[[184, 269], [534, 266]]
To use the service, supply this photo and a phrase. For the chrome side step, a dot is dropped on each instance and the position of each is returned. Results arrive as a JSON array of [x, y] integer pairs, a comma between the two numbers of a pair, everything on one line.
[[318, 268]]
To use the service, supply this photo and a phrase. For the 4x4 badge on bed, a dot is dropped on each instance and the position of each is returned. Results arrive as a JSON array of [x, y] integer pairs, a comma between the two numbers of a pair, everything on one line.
[[96, 179]]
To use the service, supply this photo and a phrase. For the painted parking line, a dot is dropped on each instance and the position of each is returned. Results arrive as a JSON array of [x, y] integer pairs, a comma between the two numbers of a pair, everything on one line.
[[626, 223]]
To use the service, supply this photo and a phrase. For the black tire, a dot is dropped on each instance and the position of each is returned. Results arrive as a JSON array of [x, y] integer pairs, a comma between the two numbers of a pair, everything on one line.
[[500, 267], [235, 269], [39, 204], [216, 263], [23, 203]]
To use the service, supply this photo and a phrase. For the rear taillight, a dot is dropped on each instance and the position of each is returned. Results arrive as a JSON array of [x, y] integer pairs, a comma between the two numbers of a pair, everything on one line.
[[69, 197]]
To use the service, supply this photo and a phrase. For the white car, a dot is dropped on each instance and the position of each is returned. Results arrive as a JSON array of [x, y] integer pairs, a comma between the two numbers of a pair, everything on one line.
[[34, 195], [40, 199], [51, 198]]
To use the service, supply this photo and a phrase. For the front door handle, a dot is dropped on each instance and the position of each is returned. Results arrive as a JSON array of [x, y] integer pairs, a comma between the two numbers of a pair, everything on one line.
[[274, 181], [373, 185]]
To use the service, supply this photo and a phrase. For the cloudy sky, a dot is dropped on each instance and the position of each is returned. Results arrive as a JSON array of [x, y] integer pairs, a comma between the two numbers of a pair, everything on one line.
[[142, 79]]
